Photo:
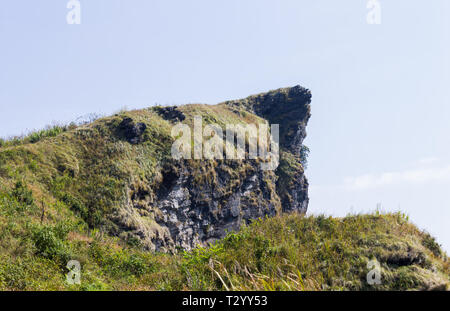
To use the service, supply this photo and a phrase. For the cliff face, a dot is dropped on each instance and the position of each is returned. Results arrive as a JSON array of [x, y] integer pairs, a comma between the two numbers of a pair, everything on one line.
[[198, 201], [118, 175], [291, 109]]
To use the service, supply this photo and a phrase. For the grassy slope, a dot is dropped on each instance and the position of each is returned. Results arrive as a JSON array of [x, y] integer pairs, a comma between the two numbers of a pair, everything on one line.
[[289, 252], [55, 192]]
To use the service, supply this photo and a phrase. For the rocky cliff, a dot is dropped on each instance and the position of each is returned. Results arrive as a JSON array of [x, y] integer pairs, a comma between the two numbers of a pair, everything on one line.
[[118, 175], [198, 201]]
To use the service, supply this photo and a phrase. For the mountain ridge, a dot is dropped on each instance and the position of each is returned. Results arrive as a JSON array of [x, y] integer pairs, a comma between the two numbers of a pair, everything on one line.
[[117, 174], [110, 196]]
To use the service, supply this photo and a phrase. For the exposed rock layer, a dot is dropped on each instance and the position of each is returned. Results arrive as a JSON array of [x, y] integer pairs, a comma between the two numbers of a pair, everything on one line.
[[198, 201]]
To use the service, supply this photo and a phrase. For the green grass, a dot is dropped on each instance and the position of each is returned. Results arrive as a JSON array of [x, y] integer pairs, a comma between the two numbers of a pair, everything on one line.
[[37, 135], [317, 253], [289, 252]]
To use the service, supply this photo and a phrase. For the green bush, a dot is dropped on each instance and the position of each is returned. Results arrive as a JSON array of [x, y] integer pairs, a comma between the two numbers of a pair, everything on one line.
[[304, 154], [135, 265], [76, 205], [50, 242], [10, 206], [121, 263], [22, 194], [13, 274], [202, 255], [47, 132], [430, 243]]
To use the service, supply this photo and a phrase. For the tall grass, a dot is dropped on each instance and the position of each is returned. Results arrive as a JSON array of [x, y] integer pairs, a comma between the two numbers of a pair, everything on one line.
[[36, 135], [49, 131]]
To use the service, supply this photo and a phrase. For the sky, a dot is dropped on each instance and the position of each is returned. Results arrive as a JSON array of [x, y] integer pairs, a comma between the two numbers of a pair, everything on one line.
[[379, 132]]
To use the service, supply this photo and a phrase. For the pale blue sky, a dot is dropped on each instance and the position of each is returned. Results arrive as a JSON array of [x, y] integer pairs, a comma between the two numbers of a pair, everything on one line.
[[381, 113]]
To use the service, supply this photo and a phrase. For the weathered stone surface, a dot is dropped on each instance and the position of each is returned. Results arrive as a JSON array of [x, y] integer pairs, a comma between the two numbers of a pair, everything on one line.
[[199, 211], [171, 114], [289, 107], [198, 201], [132, 132]]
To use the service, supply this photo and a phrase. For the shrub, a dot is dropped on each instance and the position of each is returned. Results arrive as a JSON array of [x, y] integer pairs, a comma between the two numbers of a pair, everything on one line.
[[47, 132], [22, 194], [430, 243], [134, 241], [135, 265], [13, 274], [76, 205], [304, 154], [202, 255], [50, 242], [121, 263]]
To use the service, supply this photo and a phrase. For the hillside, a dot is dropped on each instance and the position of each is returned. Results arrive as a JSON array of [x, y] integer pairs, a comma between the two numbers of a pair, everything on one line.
[[289, 252], [110, 195], [117, 173]]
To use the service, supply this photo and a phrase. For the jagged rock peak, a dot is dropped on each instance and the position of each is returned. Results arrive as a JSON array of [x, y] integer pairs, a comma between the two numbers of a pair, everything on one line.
[[289, 107]]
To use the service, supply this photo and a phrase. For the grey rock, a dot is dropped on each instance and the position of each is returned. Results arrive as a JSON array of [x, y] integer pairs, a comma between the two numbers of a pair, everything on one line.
[[131, 131], [189, 209]]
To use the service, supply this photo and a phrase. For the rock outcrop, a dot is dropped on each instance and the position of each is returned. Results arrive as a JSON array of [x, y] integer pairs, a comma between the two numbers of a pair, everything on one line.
[[131, 131], [117, 173], [199, 201]]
